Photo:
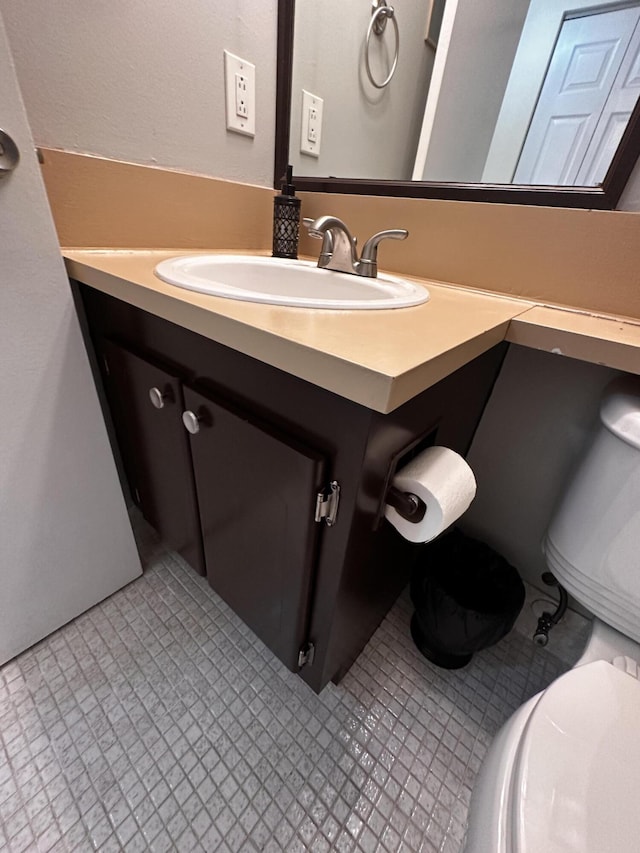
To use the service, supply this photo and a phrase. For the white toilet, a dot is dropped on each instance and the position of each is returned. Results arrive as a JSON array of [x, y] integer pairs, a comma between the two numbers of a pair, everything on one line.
[[563, 774]]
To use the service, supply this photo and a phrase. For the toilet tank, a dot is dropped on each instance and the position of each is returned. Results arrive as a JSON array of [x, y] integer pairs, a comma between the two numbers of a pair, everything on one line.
[[592, 545]]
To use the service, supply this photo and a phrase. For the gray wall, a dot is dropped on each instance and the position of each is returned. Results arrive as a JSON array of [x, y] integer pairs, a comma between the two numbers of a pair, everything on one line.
[[630, 199], [483, 43], [144, 81], [538, 420], [367, 132]]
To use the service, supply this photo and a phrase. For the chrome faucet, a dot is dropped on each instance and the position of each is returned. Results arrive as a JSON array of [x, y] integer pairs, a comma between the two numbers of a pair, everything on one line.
[[339, 249]]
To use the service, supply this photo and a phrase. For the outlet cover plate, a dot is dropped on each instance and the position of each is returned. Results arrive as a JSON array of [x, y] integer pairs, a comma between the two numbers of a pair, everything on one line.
[[240, 94], [311, 124]]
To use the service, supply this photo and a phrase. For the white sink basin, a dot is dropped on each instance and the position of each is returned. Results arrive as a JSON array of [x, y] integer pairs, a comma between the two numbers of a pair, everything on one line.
[[285, 282]]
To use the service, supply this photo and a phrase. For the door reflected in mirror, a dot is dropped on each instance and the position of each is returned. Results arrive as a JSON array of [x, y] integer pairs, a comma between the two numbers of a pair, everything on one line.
[[526, 92]]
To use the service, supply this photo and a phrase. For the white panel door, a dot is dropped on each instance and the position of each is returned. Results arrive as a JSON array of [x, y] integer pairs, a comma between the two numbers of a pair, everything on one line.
[[65, 539], [614, 117], [583, 69]]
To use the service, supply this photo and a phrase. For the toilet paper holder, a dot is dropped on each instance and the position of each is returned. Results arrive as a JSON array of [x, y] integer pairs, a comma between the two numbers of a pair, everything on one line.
[[409, 506]]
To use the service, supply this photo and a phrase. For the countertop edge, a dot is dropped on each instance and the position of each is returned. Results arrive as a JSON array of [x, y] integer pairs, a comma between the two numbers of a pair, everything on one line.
[[373, 390], [610, 341]]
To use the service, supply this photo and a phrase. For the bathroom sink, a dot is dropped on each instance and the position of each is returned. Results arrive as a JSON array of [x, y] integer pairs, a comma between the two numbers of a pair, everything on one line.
[[278, 281]]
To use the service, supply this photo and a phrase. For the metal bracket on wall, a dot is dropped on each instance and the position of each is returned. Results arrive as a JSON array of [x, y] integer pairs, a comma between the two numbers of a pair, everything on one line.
[[327, 504], [306, 655]]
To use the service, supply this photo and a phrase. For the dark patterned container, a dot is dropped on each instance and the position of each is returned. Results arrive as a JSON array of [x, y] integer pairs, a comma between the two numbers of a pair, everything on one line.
[[286, 219], [286, 226]]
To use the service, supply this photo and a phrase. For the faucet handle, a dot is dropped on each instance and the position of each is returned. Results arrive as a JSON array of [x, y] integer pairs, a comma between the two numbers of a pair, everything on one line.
[[369, 256]]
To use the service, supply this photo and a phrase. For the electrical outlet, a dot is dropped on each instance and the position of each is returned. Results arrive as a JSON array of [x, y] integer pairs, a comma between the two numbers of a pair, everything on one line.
[[242, 109], [311, 125], [240, 94], [312, 132]]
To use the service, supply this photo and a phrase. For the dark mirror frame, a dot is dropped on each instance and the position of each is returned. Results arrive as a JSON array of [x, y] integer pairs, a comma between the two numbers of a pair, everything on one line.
[[604, 197]]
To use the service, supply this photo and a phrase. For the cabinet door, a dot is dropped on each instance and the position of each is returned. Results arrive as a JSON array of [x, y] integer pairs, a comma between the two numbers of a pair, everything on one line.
[[256, 492], [147, 404]]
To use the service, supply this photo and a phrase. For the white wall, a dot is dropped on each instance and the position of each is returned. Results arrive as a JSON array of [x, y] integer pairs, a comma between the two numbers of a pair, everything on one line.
[[367, 132], [484, 39], [65, 538], [536, 424], [143, 81]]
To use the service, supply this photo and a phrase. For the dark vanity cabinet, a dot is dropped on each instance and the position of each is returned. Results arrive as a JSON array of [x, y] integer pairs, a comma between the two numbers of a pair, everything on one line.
[[257, 492], [239, 466], [146, 405]]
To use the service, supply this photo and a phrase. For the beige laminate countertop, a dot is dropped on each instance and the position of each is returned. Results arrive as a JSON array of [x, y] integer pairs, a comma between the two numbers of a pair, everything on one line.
[[379, 359]]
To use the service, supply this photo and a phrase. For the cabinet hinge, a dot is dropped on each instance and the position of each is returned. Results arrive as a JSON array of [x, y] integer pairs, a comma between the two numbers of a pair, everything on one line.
[[327, 504], [306, 655]]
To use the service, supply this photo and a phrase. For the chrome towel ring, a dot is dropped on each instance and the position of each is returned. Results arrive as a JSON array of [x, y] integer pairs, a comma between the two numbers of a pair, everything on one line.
[[380, 13]]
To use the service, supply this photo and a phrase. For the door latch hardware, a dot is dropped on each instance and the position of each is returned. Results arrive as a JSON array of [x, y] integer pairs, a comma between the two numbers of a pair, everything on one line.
[[327, 504], [306, 655], [9, 154]]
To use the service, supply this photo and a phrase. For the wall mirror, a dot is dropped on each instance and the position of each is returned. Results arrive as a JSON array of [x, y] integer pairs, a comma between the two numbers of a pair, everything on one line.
[[522, 101]]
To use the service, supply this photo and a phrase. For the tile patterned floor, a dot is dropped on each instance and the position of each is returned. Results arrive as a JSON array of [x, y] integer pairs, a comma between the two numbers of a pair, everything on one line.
[[157, 721]]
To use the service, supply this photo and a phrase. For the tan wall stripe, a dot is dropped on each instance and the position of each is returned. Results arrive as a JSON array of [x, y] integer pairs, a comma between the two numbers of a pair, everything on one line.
[[583, 259]]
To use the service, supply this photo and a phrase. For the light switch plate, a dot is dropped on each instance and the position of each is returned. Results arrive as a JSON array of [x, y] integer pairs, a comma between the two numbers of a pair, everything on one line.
[[240, 94], [311, 124]]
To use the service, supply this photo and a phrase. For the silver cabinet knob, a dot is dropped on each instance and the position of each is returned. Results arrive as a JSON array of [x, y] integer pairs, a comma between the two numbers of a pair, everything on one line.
[[191, 422], [9, 154], [157, 398]]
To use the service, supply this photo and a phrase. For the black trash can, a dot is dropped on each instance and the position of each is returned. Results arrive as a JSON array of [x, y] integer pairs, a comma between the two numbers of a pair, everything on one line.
[[466, 597]]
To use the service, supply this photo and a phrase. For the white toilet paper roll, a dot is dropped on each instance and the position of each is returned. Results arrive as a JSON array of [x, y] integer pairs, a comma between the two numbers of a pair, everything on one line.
[[444, 481]]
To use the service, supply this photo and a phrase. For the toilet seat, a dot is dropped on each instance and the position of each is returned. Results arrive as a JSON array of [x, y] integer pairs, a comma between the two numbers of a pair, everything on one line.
[[576, 775]]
